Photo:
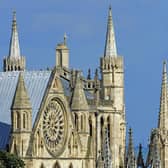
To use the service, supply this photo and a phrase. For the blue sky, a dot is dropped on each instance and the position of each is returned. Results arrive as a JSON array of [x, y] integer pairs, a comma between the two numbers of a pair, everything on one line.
[[141, 29]]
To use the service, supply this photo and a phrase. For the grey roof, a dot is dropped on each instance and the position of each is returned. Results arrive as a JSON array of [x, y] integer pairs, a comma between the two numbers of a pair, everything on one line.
[[36, 83], [4, 135]]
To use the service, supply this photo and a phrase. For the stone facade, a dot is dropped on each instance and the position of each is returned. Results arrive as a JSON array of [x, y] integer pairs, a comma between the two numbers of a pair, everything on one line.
[[69, 131], [80, 122]]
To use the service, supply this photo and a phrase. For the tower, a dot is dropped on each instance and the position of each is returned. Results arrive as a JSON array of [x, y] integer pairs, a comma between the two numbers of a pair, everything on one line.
[[14, 61], [112, 115], [62, 54], [21, 113]]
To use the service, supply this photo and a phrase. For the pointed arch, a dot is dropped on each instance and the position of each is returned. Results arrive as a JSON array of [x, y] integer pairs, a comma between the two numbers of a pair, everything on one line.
[[82, 122], [101, 128], [18, 120], [76, 121], [108, 127], [56, 165], [70, 166], [90, 126], [24, 121], [42, 165]]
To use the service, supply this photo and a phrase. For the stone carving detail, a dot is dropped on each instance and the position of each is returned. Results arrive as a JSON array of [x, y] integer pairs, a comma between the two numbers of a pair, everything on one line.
[[54, 127]]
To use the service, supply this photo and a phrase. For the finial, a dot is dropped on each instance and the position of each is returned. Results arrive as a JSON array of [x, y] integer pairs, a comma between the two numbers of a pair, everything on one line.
[[96, 74], [110, 7], [164, 66], [65, 38], [14, 20], [89, 74], [14, 15]]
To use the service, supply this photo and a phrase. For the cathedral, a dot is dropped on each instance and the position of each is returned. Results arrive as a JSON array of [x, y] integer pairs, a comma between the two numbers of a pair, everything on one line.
[[57, 118]]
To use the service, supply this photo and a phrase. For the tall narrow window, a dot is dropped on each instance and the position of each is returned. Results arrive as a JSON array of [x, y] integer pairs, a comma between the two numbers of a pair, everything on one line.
[[108, 127], [18, 120], [56, 165], [70, 166], [81, 122], [101, 131], [24, 120], [90, 126], [76, 121]]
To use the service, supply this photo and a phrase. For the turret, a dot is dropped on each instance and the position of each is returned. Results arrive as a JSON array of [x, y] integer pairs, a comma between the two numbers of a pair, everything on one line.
[[14, 61], [62, 54], [80, 110], [21, 113]]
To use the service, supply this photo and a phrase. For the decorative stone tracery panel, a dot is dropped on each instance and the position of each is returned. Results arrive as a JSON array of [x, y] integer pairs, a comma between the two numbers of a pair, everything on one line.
[[54, 126]]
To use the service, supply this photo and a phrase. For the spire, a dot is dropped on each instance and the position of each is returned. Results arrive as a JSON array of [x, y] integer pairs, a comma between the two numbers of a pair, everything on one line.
[[79, 101], [110, 44], [89, 74], [96, 77], [21, 99], [130, 159], [163, 114], [14, 49], [65, 39], [140, 161]]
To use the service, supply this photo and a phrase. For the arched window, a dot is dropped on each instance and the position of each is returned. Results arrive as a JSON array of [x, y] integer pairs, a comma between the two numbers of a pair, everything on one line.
[[15, 68], [56, 165], [90, 126], [70, 166], [19, 68], [42, 165], [18, 120], [108, 127], [24, 120], [76, 121], [81, 122], [11, 68], [101, 128]]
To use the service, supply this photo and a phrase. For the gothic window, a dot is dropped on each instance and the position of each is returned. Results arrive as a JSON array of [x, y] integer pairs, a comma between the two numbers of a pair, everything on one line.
[[81, 122], [22, 147], [8, 68], [18, 120], [76, 121], [56, 165], [19, 68], [108, 127], [15, 68], [108, 67], [42, 166], [11, 68], [70, 166], [101, 125], [54, 126], [90, 126], [24, 120]]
